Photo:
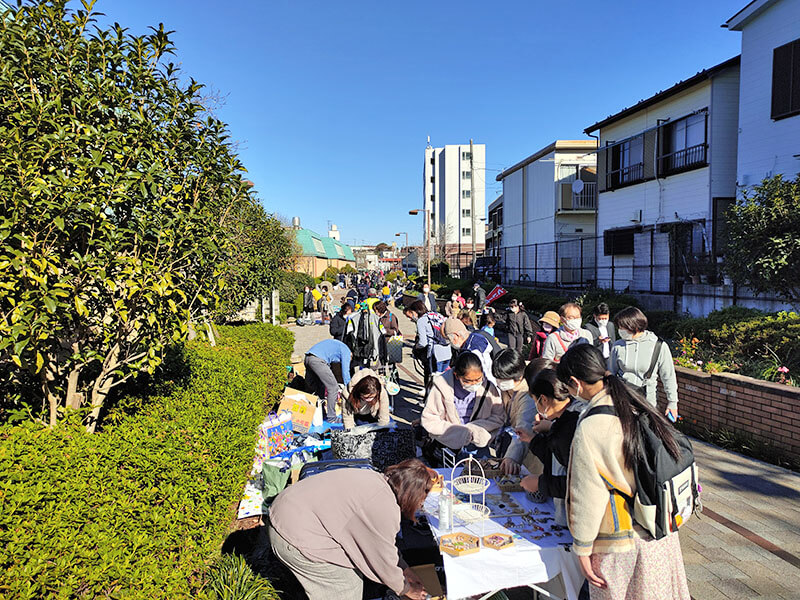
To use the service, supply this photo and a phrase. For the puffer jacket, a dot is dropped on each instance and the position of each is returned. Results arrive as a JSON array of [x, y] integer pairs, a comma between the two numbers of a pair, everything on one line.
[[631, 360], [440, 417]]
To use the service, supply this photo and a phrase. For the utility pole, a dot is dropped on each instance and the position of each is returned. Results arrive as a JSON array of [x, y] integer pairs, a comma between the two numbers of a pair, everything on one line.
[[472, 197]]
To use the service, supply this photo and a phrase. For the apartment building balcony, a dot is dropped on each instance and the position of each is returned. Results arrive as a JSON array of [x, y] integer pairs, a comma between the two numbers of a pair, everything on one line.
[[584, 202]]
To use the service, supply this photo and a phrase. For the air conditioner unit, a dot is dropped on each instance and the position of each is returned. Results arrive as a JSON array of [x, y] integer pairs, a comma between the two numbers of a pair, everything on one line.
[[636, 217]]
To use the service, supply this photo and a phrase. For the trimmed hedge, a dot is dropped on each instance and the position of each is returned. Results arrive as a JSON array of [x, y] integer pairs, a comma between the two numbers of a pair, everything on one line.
[[140, 510]]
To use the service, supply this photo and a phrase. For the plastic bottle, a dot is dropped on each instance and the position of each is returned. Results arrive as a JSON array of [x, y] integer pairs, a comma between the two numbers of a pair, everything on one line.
[[445, 511]]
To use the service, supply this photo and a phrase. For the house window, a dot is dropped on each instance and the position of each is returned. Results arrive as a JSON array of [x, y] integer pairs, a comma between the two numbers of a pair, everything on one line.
[[619, 242], [433, 197], [786, 80], [433, 179], [683, 144], [465, 194], [466, 232], [627, 164], [466, 175], [466, 213], [433, 161], [466, 155]]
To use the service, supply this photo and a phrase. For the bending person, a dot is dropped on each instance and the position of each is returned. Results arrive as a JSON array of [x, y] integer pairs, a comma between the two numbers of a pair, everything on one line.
[[320, 379], [366, 400], [463, 410], [336, 527], [508, 369]]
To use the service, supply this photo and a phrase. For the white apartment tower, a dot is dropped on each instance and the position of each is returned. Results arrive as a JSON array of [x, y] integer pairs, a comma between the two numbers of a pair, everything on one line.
[[447, 192]]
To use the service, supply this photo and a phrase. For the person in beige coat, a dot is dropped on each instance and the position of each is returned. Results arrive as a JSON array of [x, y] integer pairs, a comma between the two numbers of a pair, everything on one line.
[[365, 401], [508, 368], [463, 409]]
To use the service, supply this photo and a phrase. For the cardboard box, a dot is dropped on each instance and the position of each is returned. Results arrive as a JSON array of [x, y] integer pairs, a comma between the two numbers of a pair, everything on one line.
[[305, 409]]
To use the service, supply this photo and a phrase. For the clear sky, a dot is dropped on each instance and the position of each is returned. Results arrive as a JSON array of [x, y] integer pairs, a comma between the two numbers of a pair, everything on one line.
[[332, 101]]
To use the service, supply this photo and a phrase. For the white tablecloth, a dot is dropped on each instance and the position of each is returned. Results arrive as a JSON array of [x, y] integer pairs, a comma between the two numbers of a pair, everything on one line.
[[528, 562]]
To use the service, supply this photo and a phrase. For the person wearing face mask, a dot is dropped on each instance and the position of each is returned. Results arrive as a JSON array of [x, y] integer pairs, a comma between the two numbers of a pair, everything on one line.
[[549, 322], [551, 438], [518, 325], [602, 331], [469, 312], [308, 302], [454, 305], [640, 357], [463, 410], [365, 400], [569, 334], [455, 332], [508, 368], [431, 346], [479, 296], [617, 556], [428, 298]]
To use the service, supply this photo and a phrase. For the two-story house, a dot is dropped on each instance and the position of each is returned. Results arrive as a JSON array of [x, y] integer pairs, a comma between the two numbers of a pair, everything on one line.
[[666, 171], [547, 209], [769, 91]]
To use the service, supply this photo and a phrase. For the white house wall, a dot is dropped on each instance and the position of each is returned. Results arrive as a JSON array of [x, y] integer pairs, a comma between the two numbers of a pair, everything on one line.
[[766, 147], [723, 133]]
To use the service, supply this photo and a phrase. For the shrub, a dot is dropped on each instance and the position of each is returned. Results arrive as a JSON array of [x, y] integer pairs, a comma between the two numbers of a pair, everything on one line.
[[233, 579], [616, 301], [331, 274], [140, 509], [700, 327]]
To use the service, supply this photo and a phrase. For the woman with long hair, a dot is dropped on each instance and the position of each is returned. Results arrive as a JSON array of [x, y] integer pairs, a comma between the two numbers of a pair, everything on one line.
[[366, 400], [619, 559], [335, 528]]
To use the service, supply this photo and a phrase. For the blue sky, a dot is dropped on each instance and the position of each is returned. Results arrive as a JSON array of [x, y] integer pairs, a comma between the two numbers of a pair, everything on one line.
[[332, 101]]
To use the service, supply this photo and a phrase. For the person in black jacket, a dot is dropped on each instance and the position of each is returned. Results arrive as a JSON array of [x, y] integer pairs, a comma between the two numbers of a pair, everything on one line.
[[518, 325], [339, 322], [551, 438], [602, 329], [308, 302]]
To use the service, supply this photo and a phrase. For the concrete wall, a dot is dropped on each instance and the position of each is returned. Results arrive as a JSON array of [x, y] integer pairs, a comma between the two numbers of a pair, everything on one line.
[[769, 412], [766, 147]]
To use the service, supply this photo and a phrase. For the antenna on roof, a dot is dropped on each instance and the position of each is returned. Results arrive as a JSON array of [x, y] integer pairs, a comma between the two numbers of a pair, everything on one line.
[[429, 143]]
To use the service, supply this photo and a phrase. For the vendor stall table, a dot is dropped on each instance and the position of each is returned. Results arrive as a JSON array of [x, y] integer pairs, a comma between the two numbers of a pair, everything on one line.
[[540, 553]]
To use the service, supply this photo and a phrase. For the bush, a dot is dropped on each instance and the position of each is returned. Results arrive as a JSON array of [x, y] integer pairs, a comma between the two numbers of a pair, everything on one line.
[[331, 274], [700, 327], [139, 510], [288, 311], [233, 579]]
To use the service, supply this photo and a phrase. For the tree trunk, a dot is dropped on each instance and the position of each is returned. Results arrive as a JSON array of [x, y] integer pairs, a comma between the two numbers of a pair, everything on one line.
[[74, 398], [52, 399], [101, 387]]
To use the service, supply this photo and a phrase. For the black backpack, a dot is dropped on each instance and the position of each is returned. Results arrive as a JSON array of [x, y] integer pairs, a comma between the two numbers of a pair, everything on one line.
[[492, 342], [667, 491]]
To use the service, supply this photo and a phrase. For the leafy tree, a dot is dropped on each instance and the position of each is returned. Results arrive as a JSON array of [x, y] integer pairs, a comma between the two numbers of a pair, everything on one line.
[[382, 247], [348, 270], [118, 192], [763, 248], [330, 274], [260, 251]]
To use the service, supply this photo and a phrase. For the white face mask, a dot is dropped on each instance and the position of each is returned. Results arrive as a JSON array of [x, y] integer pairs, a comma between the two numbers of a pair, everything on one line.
[[470, 306], [602, 322], [454, 298], [625, 334], [506, 385], [572, 324], [547, 328], [426, 290], [471, 388]]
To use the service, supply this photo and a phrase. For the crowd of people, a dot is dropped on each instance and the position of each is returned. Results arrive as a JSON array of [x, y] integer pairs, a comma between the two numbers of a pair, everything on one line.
[[558, 402]]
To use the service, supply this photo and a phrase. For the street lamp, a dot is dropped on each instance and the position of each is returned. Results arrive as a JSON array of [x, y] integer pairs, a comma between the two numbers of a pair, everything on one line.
[[427, 211], [407, 251]]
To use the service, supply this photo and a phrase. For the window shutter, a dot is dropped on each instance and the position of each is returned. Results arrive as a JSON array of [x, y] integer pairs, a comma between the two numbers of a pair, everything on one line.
[[649, 154], [602, 158], [781, 80], [795, 104]]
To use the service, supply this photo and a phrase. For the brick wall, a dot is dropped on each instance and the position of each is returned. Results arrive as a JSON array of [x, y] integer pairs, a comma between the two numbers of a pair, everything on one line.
[[768, 411]]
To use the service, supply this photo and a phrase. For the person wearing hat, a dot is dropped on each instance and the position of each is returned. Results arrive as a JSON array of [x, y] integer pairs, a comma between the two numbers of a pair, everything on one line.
[[479, 295], [518, 325], [372, 298], [547, 324]]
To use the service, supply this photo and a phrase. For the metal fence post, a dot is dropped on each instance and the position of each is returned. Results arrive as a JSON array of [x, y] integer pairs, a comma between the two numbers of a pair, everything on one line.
[[652, 255], [581, 250], [612, 272], [536, 264], [556, 274]]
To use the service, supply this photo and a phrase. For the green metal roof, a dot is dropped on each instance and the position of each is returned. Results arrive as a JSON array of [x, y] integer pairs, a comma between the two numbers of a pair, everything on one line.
[[313, 244], [310, 243]]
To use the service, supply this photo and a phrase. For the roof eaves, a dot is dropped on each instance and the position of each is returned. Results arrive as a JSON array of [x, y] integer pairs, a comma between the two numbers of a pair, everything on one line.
[[752, 9], [664, 94]]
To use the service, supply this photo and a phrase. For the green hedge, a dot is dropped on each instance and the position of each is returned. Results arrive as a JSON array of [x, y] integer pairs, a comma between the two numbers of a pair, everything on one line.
[[141, 509]]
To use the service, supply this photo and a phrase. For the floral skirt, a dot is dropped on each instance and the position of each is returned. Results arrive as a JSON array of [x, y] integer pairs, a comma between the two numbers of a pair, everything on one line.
[[653, 570]]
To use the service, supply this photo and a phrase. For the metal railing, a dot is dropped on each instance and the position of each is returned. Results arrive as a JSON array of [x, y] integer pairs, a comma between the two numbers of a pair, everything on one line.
[[625, 175], [685, 158]]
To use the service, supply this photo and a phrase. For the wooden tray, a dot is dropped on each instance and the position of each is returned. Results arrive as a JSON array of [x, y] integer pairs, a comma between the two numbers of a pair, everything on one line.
[[509, 483], [498, 541], [459, 544]]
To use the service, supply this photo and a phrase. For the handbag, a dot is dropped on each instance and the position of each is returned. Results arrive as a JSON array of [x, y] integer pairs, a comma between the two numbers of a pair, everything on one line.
[[275, 435], [383, 447]]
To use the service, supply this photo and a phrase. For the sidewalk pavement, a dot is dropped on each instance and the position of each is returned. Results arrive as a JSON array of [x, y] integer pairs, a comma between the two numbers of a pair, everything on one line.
[[746, 543]]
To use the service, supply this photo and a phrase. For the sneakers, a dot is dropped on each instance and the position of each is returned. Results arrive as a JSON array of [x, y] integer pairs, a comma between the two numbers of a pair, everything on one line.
[[337, 420]]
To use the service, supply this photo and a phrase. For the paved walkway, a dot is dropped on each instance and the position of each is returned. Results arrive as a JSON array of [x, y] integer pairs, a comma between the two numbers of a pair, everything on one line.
[[746, 544]]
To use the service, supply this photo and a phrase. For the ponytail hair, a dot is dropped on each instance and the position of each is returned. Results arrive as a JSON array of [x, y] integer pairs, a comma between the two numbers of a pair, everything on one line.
[[586, 363]]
